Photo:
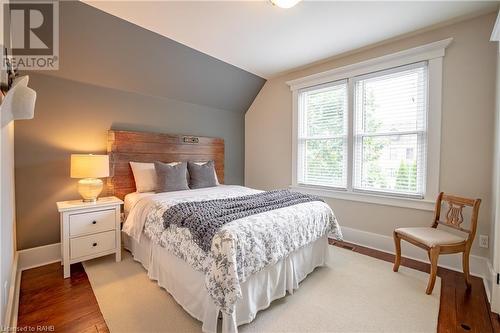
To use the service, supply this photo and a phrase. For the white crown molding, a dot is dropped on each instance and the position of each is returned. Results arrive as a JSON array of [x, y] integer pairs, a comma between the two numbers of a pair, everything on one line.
[[420, 53]]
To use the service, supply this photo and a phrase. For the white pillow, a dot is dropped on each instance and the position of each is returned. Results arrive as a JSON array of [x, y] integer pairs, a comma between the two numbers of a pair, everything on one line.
[[145, 176], [215, 172]]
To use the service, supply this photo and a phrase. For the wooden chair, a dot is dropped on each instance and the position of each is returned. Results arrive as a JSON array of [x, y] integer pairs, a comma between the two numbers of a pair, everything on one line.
[[436, 241]]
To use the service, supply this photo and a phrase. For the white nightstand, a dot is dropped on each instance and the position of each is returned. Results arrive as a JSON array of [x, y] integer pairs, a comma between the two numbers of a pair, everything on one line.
[[89, 230]]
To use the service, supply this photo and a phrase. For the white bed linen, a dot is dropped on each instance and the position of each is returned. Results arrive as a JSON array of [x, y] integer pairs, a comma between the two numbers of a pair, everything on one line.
[[178, 276], [134, 224], [187, 286], [241, 247], [132, 198], [141, 252]]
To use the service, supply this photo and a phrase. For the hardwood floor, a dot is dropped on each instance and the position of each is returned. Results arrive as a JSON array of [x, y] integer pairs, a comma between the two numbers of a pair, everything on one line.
[[47, 302], [69, 305]]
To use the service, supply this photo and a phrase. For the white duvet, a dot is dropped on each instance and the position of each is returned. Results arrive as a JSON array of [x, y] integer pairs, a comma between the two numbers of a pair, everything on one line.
[[241, 247]]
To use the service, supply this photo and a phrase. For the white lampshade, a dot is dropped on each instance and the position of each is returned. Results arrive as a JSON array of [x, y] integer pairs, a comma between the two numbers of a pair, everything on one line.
[[89, 166]]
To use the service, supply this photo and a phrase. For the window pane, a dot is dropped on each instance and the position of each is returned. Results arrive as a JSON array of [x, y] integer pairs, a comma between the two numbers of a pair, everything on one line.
[[392, 102], [325, 162], [325, 111], [390, 163], [390, 130], [322, 147]]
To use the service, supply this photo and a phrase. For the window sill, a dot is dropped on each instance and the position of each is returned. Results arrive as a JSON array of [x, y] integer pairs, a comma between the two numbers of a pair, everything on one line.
[[420, 204]]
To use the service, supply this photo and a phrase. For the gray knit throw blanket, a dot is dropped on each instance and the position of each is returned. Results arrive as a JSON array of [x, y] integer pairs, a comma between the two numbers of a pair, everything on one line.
[[205, 218]]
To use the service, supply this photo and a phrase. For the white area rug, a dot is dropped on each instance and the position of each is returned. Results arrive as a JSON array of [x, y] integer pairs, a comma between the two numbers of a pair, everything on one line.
[[354, 293]]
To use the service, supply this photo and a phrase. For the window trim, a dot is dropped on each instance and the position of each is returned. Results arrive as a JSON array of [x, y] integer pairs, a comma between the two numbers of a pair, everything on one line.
[[433, 53]]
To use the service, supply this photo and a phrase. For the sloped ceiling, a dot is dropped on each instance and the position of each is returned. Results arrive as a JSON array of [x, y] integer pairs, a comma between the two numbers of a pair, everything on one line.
[[104, 50], [267, 40]]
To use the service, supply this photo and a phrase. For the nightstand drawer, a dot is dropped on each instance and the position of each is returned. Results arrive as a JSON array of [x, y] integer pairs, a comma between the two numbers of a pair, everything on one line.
[[92, 244], [89, 223]]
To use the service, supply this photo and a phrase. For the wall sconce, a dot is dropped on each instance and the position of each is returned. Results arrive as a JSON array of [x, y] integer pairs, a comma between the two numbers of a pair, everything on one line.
[[19, 101]]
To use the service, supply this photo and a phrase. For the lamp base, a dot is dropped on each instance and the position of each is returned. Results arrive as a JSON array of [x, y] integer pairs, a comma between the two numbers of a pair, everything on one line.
[[90, 188]]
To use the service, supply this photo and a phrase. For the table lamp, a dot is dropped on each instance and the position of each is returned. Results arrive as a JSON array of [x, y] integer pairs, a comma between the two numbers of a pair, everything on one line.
[[89, 168]]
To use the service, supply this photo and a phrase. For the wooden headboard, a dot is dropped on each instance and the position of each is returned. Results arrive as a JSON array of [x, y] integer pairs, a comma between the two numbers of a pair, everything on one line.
[[127, 146]]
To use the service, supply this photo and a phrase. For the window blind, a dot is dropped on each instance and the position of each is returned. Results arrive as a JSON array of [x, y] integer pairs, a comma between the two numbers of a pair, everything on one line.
[[390, 131], [322, 139]]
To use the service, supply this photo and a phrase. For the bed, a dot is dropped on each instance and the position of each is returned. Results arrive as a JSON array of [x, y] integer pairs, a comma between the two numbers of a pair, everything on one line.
[[253, 260]]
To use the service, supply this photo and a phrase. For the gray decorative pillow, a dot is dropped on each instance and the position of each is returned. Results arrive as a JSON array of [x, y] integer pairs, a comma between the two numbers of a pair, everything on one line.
[[201, 176], [171, 177]]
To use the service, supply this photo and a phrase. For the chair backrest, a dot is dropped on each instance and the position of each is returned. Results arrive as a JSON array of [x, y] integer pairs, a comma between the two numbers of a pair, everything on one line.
[[454, 215]]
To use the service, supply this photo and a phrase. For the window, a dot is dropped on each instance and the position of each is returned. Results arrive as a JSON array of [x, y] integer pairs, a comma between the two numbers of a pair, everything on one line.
[[323, 135], [371, 131], [389, 133], [390, 112]]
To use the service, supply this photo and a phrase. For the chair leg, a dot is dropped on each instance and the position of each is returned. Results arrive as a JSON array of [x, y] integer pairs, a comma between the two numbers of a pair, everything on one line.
[[465, 266], [434, 255], [397, 244]]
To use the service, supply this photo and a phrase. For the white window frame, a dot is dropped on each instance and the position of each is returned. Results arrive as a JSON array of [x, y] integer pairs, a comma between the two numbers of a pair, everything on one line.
[[302, 141], [433, 53], [421, 134]]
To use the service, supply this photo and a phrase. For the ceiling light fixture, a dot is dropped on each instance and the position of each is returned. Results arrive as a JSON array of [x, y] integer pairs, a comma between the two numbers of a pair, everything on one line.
[[284, 3]]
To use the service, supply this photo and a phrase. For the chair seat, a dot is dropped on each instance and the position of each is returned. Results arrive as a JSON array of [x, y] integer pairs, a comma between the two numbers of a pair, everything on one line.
[[430, 236]]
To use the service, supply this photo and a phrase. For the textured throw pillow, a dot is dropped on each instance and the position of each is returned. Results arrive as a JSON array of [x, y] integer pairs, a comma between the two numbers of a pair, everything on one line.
[[171, 177], [201, 176], [215, 173], [144, 176]]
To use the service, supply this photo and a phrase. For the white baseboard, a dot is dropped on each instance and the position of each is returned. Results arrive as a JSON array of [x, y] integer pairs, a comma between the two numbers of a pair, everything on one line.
[[26, 259], [478, 265], [39, 256], [489, 280], [13, 296]]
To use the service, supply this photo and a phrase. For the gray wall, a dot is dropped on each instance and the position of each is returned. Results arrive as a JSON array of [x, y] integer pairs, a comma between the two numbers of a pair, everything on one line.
[[117, 75], [103, 50]]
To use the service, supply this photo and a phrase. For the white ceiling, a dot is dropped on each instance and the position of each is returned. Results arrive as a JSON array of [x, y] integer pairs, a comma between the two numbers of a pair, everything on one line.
[[267, 40]]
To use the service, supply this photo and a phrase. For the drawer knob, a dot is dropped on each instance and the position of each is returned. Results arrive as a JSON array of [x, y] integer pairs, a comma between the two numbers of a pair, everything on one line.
[[95, 244], [94, 222]]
